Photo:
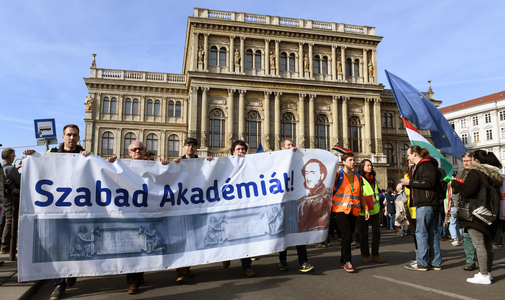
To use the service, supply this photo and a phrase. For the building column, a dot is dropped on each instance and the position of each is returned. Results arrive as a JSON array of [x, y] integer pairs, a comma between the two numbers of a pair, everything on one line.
[[231, 58], [206, 52], [301, 123], [266, 123], [378, 127], [193, 102], [162, 145], [142, 108], [277, 63], [334, 127], [344, 71], [277, 126], [368, 128], [374, 62], [345, 122], [241, 114], [365, 66], [120, 106], [163, 110], [231, 112], [266, 60], [311, 61], [205, 119], [333, 63], [195, 51], [242, 55], [312, 122], [300, 60]]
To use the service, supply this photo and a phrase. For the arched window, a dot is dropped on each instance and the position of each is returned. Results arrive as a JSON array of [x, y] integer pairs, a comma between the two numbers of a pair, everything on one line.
[[149, 107], [348, 70], [356, 68], [292, 62], [249, 59], [107, 143], [384, 120], [257, 60], [253, 129], [322, 132], [325, 65], [113, 105], [355, 134], [105, 105], [171, 108], [316, 64], [288, 127], [404, 149], [178, 109], [128, 139], [135, 108], [216, 126], [128, 107], [222, 57], [388, 151], [213, 56], [283, 61], [390, 120], [402, 126], [173, 145], [152, 143], [157, 107]]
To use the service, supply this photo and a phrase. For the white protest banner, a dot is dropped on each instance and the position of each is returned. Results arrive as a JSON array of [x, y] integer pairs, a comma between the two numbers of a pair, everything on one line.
[[83, 216]]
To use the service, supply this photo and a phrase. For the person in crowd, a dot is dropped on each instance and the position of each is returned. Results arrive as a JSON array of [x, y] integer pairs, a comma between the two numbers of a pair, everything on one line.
[[401, 214], [371, 193], [391, 208], [422, 184], [382, 213], [11, 199], [239, 148], [348, 202], [70, 139], [409, 209], [150, 155], [486, 167], [456, 232]]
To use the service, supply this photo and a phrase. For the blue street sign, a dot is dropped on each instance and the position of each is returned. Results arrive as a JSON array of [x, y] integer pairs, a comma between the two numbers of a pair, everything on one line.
[[45, 128]]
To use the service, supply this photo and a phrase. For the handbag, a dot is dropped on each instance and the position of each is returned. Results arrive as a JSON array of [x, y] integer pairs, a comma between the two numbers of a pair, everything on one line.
[[463, 213]]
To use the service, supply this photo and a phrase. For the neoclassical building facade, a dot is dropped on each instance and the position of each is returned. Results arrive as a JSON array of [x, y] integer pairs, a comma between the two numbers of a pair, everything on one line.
[[258, 78]]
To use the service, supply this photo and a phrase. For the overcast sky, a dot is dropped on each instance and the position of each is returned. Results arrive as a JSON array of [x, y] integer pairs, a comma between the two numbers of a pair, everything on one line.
[[46, 47]]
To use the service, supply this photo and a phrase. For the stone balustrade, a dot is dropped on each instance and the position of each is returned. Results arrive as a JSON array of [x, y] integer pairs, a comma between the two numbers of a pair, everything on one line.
[[138, 76], [281, 21]]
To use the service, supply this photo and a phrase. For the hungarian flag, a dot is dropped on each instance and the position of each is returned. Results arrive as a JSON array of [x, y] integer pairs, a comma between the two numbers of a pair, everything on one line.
[[417, 139], [341, 149]]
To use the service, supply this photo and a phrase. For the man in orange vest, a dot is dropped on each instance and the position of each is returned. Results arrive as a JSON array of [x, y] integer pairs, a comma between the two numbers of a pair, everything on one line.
[[348, 201]]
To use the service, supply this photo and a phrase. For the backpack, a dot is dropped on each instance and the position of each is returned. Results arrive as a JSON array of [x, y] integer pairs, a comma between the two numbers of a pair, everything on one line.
[[486, 206], [340, 179]]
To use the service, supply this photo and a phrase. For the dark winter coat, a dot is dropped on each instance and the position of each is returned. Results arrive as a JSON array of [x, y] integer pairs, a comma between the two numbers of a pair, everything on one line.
[[422, 183], [390, 203]]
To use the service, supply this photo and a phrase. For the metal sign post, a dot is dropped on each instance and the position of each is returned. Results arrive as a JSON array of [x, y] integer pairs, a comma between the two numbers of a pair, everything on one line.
[[45, 132]]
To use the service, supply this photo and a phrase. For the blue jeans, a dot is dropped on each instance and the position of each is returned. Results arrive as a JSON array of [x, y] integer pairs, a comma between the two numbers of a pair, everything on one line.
[[391, 220], [428, 246], [456, 233]]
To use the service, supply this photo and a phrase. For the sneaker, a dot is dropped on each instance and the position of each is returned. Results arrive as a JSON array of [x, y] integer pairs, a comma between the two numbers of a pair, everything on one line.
[[248, 272], [342, 264], [479, 279], [456, 243], [469, 267], [323, 245], [283, 266], [57, 293], [436, 268], [416, 266], [348, 267], [71, 281], [306, 267]]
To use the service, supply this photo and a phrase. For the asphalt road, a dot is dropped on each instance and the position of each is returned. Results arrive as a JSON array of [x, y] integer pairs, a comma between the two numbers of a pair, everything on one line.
[[370, 281]]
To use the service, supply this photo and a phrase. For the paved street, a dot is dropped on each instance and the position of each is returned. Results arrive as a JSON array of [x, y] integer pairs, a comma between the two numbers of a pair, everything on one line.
[[373, 281]]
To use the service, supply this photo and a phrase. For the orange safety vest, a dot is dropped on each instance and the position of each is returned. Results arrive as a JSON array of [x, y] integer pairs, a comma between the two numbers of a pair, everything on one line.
[[346, 197]]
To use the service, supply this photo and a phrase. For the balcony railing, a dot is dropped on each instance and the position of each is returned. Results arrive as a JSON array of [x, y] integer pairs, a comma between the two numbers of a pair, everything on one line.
[[138, 76]]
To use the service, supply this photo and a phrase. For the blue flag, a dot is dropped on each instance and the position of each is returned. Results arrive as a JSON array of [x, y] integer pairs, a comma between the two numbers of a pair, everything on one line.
[[419, 110], [260, 149]]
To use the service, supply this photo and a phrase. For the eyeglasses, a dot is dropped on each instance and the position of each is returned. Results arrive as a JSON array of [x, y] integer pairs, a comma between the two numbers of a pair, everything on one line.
[[137, 149]]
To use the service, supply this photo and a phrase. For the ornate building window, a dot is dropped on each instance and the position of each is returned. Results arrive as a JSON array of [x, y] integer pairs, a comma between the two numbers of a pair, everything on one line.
[[502, 132], [348, 64], [387, 120], [257, 60], [487, 118], [356, 67], [324, 65], [463, 123], [149, 107], [171, 108], [106, 105], [489, 134], [322, 132], [390, 120], [475, 120], [502, 115], [253, 129], [404, 149], [152, 143], [178, 108], [157, 107], [354, 132], [107, 143], [288, 127], [128, 107], [476, 137], [388, 151], [283, 61], [216, 126], [113, 105], [292, 62], [213, 56], [222, 57], [135, 108], [316, 64], [173, 145], [249, 59], [464, 138], [128, 139]]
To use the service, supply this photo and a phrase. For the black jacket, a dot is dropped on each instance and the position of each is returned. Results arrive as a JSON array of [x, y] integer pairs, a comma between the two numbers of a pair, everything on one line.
[[422, 183], [471, 187], [61, 149]]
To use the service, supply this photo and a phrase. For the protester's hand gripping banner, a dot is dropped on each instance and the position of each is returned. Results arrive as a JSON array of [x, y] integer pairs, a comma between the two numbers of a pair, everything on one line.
[[83, 216]]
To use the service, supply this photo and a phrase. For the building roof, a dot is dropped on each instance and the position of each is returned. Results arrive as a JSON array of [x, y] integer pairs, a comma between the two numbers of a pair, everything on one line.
[[474, 102]]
